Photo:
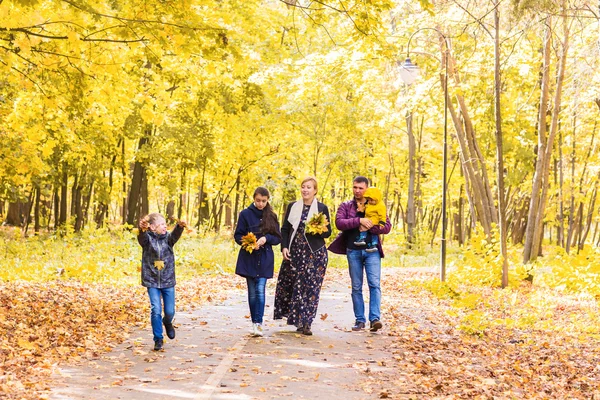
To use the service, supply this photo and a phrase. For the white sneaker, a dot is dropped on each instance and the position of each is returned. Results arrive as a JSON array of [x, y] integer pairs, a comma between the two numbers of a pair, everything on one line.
[[254, 330], [259, 330]]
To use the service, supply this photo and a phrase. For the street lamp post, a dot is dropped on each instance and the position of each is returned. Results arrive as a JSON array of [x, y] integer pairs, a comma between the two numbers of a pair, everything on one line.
[[409, 73]]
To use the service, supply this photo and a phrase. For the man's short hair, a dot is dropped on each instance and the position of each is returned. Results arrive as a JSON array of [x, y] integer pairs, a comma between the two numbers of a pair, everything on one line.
[[361, 179]]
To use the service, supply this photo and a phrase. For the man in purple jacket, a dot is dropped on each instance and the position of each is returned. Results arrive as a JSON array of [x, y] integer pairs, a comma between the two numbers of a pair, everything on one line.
[[350, 222]]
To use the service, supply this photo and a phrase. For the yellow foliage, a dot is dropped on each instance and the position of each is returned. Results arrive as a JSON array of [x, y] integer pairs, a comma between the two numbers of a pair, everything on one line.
[[575, 273], [480, 263], [317, 224], [249, 242]]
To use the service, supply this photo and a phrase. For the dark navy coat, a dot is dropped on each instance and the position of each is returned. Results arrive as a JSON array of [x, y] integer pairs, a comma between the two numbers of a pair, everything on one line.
[[260, 263]]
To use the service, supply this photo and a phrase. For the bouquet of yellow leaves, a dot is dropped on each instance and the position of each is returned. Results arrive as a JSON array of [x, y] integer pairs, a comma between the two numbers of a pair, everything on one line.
[[249, 242], [317, 224]]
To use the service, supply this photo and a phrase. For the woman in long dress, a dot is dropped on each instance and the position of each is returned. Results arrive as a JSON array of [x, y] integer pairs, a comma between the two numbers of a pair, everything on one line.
[[304, 261]]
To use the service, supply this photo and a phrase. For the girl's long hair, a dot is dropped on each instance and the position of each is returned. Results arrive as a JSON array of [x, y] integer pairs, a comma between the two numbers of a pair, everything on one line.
[[269, 223]]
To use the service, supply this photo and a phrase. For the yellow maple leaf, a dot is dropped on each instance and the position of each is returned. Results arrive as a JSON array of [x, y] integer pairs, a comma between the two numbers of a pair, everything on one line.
[[26, 344], [249, 242], [147, 114], [317, 224]]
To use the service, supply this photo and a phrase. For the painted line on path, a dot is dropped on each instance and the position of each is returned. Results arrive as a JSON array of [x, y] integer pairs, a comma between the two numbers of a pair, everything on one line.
[[213, 382]]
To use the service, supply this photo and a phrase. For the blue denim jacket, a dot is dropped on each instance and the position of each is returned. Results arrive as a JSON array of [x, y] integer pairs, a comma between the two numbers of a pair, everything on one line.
[[158, 247]]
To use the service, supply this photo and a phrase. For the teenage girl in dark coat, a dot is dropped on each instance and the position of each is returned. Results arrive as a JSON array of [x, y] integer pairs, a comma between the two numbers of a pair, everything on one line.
[[257, 266]]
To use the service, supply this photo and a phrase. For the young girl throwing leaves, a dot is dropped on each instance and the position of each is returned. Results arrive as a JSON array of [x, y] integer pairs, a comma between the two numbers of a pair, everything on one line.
[[158, 272], [257, 231]]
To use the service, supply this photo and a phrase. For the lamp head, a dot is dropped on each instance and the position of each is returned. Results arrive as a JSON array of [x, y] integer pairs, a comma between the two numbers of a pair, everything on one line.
[[409, 72]]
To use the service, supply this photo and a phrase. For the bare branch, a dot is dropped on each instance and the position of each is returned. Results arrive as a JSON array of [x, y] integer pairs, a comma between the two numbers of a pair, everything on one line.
[[142, 39], [321, 25], [105, 29], [352, 19], [59, 54], [478, 20], [19, 55], [329, 6], [28, 32], [26, 76], [296, 33], [82, 72], [296, 5]]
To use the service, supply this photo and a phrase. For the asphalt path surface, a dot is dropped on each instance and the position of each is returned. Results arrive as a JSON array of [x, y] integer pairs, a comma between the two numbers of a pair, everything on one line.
[[214, 356]]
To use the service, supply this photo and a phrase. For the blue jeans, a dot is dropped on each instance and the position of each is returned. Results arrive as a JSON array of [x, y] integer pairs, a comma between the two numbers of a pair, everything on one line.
[[168, 298], [256, 298], [370, 263]]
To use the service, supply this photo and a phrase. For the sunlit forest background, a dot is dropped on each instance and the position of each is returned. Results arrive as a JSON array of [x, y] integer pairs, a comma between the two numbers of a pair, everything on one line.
[[110, 111]]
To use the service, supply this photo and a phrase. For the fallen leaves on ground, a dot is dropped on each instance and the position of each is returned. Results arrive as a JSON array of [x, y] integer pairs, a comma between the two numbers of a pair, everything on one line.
[[46, 324], [433, 358]]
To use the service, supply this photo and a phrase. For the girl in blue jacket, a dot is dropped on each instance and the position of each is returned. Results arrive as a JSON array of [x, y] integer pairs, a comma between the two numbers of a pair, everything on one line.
[[257, 266]]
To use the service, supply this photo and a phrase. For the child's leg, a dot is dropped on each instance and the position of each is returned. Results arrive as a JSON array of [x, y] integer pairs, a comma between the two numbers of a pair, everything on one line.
[[361, 238], [372, 241], [252, 297], [259, 306], [155, 313], [168, 295]]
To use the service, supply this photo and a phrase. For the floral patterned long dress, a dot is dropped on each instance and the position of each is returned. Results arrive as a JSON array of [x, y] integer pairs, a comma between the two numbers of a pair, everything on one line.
[[299, 282]]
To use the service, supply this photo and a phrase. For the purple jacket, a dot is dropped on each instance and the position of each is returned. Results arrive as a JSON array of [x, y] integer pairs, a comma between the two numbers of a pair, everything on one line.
[[345, 220]]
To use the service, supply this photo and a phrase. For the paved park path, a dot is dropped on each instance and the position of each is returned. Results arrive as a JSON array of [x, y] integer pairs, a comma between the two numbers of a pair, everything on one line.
[[214, 357]]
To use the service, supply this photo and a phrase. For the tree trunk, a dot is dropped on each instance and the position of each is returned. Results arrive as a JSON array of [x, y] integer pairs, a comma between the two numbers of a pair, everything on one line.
[[236, 204], [590, 214], [77, 202], [473, 163], [499, 144], [64, 189], [560, 229], [36, 210], [86, 204], [14, 215], [103, 204], [28, 207], [75, 193], [539, 217], [531, 238], [145, 203], [459, 218], [202, 201], [124, 184], [181, 192], [56, 202], [170, 210], [135, 199], [228, 217]]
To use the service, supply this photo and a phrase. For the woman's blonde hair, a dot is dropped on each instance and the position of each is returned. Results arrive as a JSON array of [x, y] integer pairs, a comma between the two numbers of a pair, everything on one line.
[[314, 181]]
